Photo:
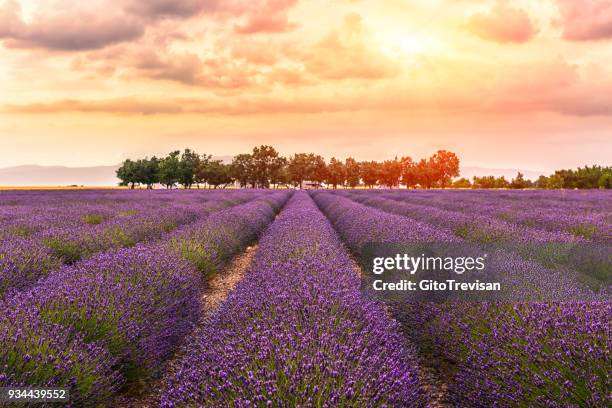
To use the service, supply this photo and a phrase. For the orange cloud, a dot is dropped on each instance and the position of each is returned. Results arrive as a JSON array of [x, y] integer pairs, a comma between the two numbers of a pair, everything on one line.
[[540, 86], [346, 53], [271, 17], [584, 20], [272, 24], [503, 25]]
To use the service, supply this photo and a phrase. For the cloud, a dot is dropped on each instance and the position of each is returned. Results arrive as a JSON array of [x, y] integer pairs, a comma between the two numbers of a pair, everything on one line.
[[584, 20], [169, 8], [503, 25], [117, 106], [10, 18], [347, 53], [132, 106], [270, 17], [263, 24], [89, 25], [84, 31], [231, 65], [255, 52], [537, 86]]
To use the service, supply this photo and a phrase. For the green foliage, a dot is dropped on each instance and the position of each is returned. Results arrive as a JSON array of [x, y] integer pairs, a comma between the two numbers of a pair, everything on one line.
[[391, 173], [370, 173], [581, 178], [462, 183], [218, 174], [352, 172], [22, 231], [336, 173], [299, 168], [143, 171], [170, 169], [519, 182], [69, 252], [187, 168], [93, 219], [265, 168], [242, 169]]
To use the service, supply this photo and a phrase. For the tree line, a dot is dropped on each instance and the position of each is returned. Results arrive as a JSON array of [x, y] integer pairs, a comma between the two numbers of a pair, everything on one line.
[[581, 178], [264, 167]]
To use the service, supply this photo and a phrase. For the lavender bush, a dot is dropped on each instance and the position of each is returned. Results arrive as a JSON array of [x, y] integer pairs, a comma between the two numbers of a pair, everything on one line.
[[554, 354], [120, 312], [23, 261], [296, 332]]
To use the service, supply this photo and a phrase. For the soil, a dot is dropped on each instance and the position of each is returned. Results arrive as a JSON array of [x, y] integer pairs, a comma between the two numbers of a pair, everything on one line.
[[431, 381], [213, 294]]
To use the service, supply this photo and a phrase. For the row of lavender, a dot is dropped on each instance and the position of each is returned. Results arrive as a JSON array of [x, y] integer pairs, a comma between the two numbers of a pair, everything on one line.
[[583, 214], [529, 354], [48, 245], [587, 260], [110, 321], [25, 214], [296, 331]]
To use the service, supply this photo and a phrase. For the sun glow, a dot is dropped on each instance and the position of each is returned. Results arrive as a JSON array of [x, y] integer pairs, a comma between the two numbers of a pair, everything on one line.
[[399, 44]]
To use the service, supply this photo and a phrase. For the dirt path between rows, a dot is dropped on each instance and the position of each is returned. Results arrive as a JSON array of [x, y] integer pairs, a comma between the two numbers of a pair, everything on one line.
[[433, 387], [213, 294]]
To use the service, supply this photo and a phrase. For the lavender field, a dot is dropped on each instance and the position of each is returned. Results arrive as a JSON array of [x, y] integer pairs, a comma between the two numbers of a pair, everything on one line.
[[104, 293]]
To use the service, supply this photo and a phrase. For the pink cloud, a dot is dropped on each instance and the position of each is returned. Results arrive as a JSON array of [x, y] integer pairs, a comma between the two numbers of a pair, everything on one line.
[[269, 17], [89, 25], [584, 20], [503, 25], [273, 24], [73, 33]]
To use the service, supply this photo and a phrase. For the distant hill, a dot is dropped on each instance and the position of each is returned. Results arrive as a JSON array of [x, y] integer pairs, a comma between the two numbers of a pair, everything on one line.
[[54, 176], [469, 172], [33, 175]]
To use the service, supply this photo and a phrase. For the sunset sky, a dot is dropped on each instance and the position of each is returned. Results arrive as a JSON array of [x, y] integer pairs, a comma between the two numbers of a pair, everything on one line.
[[504, 84]]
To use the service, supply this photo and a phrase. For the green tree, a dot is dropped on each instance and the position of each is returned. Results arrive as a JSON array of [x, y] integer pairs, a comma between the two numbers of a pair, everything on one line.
[[200, 165], [336, 173], [445, 166], [353, 172], [282, 177], [317, 169], [187, 168], [241, 169], [127, 173], [501, 182], [409, 172], [299, 169], [218, 174], [519, 182], [169, 169], [391, 172], [605, 181], [542, 182], [555, 181], [427, 175], [266, 165], [484, 182], [278, 171], [462, 183], [370, 173], [147, 171]]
